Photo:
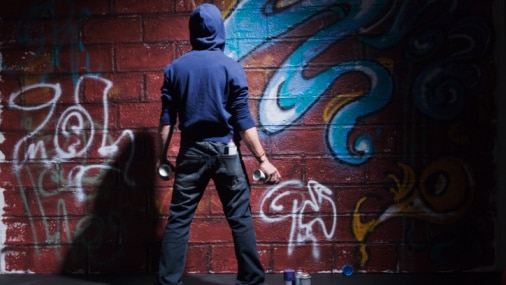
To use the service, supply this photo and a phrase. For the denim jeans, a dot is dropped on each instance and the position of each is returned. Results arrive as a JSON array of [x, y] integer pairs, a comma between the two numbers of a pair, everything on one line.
[[196, 165]]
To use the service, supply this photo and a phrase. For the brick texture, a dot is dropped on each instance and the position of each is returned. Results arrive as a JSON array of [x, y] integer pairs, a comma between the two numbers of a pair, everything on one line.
[[381, 124]]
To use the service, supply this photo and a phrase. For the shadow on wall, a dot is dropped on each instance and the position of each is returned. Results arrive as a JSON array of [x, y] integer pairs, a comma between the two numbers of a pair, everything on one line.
[[119, 233]]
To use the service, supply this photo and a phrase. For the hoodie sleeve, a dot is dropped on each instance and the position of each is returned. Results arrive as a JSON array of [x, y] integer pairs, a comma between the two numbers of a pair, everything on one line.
[[168, 111], [238, 105]]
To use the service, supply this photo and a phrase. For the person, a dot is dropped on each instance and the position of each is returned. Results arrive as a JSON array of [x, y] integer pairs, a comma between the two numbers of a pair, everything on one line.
[[206, 93]]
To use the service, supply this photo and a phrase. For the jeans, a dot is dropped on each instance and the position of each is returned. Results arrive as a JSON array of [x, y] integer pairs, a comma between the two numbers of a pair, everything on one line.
[[196, 164]]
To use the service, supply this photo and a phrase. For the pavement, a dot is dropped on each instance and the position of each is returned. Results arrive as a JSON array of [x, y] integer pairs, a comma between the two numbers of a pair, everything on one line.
[[493, 278]]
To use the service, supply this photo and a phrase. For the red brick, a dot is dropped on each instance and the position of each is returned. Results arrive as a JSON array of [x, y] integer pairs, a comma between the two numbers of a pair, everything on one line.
[[139, 115], [330, 171], [34, 175], [381, 257], [223, 259], [24, 60], [188, 6], [19, 231], [380, 169], [112, 30], [218, 226], [7, 177], [147, 6], [182, 47], [256, 82], [74, 9], [198, 259], [154, 83], [166, 28], [305, 257], [289, 167], [300, 141], [264, 253], [16, 258], [270, 232], [47, 259], [126, 87], [14, 206], [376, 197], [92, 59], [8, 147], [143, 57]]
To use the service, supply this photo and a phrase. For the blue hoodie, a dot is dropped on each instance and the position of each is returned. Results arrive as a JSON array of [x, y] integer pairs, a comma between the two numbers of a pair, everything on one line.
[[204, 89]]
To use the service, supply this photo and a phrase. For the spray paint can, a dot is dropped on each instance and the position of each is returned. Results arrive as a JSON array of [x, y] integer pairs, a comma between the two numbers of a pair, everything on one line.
[[165, 171], [289, 276], [305, 279], [298, 274], [231, 148], [258, 175]]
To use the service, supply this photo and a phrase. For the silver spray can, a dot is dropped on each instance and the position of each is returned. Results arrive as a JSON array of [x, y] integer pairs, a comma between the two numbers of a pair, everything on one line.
[[165, 171], [258, 175], [305, 279], [231, 148], [298, 274]]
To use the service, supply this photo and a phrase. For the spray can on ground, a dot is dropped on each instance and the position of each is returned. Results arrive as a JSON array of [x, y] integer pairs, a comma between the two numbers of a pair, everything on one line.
[[289, 276], [298, 274], [305, 279]]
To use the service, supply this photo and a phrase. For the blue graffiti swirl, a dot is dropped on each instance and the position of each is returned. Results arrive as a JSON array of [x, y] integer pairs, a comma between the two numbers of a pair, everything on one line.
[[289, 94], [342, 122]]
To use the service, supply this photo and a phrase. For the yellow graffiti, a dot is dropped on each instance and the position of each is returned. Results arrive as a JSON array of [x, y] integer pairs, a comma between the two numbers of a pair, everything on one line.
[[387, 62], [338, 102], [228, 7], [444, 194]]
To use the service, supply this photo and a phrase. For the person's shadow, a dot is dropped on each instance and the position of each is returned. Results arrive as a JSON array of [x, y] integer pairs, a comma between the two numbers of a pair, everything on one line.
[[118, 234]]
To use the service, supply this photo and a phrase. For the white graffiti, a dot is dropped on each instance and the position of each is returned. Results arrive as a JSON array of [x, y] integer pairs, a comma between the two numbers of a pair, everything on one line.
[[74, 135], [306, 213]]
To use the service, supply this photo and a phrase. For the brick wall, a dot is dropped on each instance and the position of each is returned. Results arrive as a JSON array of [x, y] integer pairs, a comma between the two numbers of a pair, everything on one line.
[[379, 115]]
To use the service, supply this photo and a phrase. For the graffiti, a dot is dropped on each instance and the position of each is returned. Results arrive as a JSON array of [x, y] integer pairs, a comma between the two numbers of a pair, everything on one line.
[[441, 89], [376, 82], [307, 212], [443, 194], [289, 94], [74, 135]]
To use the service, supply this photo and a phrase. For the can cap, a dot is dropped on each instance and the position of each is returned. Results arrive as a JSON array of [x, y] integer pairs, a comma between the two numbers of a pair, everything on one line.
[[347, 270], [289, 275]]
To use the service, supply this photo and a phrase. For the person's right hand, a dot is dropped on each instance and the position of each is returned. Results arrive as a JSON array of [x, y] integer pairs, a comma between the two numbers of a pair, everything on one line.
[[272, 175]]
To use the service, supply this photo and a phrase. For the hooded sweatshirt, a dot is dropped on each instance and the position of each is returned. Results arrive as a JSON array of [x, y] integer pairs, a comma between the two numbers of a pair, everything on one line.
[[205, 90]]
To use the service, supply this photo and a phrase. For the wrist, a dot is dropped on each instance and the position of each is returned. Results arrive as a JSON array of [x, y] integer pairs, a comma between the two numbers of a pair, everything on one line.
[[261, 158]]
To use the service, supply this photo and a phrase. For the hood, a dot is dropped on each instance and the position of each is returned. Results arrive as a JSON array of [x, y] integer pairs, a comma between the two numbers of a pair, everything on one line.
[[207, 31]]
